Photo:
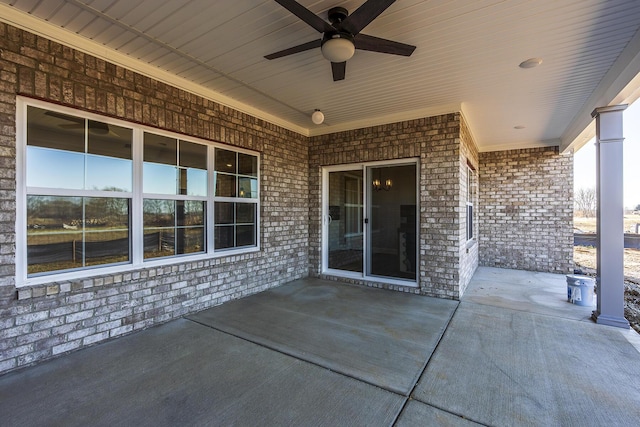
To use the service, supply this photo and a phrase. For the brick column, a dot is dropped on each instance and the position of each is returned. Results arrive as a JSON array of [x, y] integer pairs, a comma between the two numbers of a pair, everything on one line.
[[610, 218]]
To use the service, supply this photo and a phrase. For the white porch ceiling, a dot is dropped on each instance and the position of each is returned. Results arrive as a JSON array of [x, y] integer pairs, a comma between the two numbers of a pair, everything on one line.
[[466, 60]]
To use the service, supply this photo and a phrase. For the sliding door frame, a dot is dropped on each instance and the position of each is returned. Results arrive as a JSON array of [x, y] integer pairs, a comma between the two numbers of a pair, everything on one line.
[[365, 169]]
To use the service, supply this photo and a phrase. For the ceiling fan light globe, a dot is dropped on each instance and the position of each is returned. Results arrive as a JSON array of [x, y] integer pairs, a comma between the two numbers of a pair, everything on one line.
[[338, 49]]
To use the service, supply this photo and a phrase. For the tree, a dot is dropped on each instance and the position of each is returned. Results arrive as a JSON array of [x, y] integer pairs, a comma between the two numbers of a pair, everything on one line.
[[585, 201]]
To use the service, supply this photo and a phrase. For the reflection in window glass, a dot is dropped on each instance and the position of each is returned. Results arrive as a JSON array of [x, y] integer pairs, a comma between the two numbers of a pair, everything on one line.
[[109, 174], [224, 213], [109, 140], [193, 155], [235, 225], [245, 213], [81, 163], [245, 235], [225, 161], [49, 129], [49, 168], [160, 149], [225, 185], [159, 179], [174, 167], [56, 155], [248, 187], [173, 227], [73, 232], [224, 237], [247, 164], [196, 180]]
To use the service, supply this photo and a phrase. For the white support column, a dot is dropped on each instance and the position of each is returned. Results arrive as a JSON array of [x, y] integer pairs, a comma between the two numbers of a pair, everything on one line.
[[610, 218]]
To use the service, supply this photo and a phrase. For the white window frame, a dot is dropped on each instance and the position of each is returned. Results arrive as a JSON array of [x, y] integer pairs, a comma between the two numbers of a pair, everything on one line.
[[136, 215], [470, 206]]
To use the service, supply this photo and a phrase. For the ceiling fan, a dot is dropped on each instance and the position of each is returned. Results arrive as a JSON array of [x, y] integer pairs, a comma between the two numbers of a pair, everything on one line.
[[95, 127], [341, 37]]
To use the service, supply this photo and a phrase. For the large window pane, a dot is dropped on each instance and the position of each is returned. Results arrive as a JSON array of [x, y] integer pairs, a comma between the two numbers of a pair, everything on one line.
[[109, 140], [173, 227], [159, 218], [49, 168], [235, 225], [159, 179], [73, 232], [50, 129], [193, 155], [160, 149]]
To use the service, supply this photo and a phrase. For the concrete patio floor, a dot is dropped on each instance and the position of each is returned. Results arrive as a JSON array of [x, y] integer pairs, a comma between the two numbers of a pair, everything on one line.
[[313, 352]]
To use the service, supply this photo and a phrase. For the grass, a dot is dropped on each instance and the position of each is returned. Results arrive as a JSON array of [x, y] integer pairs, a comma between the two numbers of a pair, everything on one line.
[[588, 224]]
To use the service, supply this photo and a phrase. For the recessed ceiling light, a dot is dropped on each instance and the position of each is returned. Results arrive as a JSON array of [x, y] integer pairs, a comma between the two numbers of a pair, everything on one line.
[[530, 63], [519, 127]]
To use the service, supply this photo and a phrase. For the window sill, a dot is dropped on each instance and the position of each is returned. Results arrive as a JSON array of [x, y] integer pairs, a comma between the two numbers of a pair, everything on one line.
[[471, 243]]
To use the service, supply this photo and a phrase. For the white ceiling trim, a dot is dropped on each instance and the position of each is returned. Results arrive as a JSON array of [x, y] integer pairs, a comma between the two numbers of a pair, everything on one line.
[[45, 29], [521, 145], [621, 85], [386, 119]]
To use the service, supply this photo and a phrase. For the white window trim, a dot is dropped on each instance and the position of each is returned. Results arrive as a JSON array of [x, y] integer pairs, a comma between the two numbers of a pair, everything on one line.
[[470, 202], [136, 221]]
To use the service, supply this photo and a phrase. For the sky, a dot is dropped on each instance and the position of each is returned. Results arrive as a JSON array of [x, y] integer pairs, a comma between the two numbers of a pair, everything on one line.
[[584, 160]]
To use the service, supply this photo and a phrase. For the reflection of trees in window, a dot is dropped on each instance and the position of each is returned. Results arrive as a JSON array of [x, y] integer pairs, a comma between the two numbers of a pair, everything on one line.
[[173, 227], [80, 193], [73, 232]]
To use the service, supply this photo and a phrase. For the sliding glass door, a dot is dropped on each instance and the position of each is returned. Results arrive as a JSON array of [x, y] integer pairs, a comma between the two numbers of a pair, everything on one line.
[[370, 221], [392, 222], [344, 221]]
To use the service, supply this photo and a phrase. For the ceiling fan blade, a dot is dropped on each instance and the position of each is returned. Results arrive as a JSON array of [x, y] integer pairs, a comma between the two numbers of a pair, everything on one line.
[[363, 16], [376, 44], [306, 15], [295, 49], [339, 69]]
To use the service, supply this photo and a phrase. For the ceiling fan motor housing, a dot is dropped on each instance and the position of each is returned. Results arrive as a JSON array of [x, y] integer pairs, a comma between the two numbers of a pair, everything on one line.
[[337, 15]]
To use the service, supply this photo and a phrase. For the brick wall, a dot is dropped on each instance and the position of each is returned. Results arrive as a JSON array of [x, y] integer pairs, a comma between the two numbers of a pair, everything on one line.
[[526, 210], [50, 319], [468, 249], [436, 142]]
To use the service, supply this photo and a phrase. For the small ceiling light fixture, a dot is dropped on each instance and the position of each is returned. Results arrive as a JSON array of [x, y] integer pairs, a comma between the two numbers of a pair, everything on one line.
[[338, 47], [519, 127], [530, 63], [317, 117]]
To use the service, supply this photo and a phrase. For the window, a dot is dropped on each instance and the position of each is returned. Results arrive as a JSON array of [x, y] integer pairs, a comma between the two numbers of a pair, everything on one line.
[[85, 208], [236, 190], [79, 179], [175, 190], [471, 196]]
